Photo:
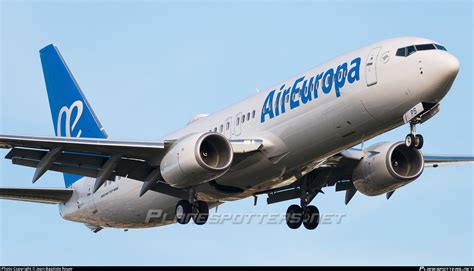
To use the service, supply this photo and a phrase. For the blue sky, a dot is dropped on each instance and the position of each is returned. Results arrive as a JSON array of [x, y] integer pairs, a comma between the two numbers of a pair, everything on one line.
[[148, 67]]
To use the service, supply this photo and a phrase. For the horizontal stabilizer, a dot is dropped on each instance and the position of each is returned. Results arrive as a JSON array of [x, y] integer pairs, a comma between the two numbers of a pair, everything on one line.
[[38, 195]]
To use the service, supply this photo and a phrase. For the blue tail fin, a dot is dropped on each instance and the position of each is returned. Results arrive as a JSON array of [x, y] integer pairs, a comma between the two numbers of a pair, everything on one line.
[[72, 115]]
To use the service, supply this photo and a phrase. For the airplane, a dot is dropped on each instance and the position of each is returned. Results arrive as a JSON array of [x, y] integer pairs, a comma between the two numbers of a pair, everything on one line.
[[288, 142]]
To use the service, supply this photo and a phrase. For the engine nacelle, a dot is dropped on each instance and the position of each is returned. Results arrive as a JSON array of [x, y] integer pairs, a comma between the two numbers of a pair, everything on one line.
[[196, 159], [386, 167]]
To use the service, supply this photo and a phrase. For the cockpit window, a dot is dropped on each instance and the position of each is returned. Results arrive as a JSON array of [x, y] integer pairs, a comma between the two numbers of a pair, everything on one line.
[[410, 50], [406, 51], [440, 47], [401, 51], [423, 47]]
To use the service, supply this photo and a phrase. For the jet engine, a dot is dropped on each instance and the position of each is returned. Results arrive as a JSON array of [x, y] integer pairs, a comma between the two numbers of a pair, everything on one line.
[[386, 167], [196, 159]]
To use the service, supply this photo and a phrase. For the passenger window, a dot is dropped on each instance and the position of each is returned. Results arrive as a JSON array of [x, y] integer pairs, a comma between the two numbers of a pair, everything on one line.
[[287, 98], [227, 126], [243, 119], [221, 128], [253, 114], [248, 116], [237, 121], [215, 129]]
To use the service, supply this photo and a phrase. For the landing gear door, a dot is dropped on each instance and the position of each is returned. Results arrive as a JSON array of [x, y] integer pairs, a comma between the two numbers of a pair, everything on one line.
[[371, 67]]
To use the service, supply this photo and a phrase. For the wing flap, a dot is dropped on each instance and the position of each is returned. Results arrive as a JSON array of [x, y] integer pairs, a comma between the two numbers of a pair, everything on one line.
[[81, 164], [38, 195]]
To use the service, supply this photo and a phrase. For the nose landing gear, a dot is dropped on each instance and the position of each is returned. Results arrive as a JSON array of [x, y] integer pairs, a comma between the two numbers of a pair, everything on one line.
[[417, 115], [413, 140]]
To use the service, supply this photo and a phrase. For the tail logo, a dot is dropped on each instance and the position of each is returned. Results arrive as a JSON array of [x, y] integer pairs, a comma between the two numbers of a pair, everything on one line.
[[67, 112]]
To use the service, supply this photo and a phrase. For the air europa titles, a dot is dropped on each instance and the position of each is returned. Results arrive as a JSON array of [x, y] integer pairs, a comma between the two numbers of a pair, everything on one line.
[[276, 104]]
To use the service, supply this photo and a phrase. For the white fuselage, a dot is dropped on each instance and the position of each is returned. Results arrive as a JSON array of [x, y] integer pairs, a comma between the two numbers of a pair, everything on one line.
[[365, 98]]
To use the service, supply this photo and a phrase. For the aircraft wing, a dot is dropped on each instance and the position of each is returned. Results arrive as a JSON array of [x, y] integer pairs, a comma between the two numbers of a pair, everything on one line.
[[97, 146], [83, 156], [39, 195], [444, 160], [337, 171], [430, 159], [99, 158]]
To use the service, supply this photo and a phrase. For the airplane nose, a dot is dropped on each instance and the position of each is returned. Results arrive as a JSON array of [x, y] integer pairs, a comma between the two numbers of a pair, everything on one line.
[[443, 68], [451, 66]]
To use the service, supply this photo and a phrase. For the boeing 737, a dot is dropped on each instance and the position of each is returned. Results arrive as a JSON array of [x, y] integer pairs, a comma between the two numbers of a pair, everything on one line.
[[287, 142]]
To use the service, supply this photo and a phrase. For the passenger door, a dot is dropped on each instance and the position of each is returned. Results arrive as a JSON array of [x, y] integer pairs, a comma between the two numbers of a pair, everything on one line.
[[238, 124], [228, 127], [371, 67]]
